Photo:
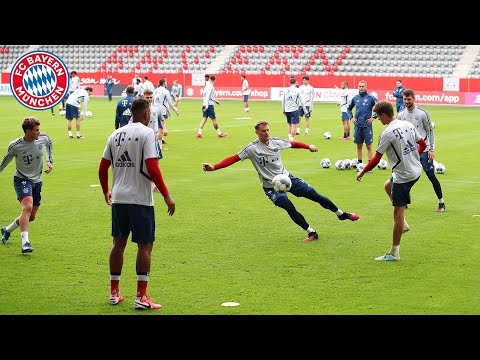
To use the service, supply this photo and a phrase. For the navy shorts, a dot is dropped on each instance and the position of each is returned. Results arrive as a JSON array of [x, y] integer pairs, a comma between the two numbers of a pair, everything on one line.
[[245, 98], [302, 113], [71, 112], [138, 219], [24, 187], [209, 113], [401, 192], [363, 135], [299, 188], [292, 117], [427, 165], [344, 116]]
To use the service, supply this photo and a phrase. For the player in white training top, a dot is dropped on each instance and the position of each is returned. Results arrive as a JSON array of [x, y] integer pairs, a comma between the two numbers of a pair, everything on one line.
[[421, 119], [399, 141], [307, 93], [208, 109], [346, 97], [265, 155], [245, 92], [132, 153], [72, 110], [27, 178], [290, 102]]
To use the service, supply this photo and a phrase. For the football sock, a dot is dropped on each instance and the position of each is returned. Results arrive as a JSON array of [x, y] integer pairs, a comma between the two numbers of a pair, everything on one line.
[[345, 135], [24, 235], [440, 201], [290, 137], [339, 212], [12, 226], [142, 282], [114, 282], [306, 131], [218, 131], [310, 229], [395, 250], [70, 133], [359, 161], [200, 131]]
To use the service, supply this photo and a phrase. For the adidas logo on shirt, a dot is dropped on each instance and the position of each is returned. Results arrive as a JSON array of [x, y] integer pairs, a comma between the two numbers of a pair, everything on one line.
[[409, 148], [124, 161]]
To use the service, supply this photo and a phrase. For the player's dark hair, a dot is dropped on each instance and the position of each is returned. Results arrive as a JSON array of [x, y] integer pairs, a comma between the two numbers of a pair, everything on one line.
[[130, 90], [89, 88], [212, 78], [383, 107], [306, 77], [409, 92], [162, 81], [29, 123], [139, 106], [293, 81]]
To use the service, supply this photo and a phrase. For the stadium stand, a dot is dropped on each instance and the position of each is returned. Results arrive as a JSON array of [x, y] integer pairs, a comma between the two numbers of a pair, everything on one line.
[[317, 60]]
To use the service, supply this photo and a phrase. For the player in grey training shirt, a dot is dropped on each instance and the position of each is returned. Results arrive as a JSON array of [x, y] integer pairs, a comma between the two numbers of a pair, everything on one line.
[[399, 141], [421, 120], [27, 178], [264, 154]]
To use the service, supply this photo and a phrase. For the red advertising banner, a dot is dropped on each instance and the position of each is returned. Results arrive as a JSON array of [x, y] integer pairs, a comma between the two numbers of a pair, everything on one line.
[[472, 98]]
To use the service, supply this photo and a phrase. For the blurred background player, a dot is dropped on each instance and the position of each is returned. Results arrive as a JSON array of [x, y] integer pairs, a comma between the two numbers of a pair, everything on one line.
[[134, 79], [290, 103], [133, 144], [176, 92], [27, 178], [74, 82], [345, 99], [163, 101], [268, 149], [72, 110], [109, 86], [363, 131], [147, 84], [397, 94], [245, 92], [399, 141], [208, 109], [138, 89], [122, 111], [420, 118], [306, 96]]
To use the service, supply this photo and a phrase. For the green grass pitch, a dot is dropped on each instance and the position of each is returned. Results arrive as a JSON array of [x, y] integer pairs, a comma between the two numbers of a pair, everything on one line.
[[227, 242]]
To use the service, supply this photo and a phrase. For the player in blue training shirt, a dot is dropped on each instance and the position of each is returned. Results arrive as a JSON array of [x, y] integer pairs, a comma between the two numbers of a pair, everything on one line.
[[363, 132], [109, 87], [123, 113], [398, 95]]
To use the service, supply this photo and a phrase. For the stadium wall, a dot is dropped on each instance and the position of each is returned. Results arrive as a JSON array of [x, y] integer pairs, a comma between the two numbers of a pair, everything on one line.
[[270, 87]]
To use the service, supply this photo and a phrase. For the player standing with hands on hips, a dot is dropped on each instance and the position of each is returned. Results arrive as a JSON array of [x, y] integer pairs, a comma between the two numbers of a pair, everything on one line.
[[27, 178], [264, 153], [399, 141], [132, 152]]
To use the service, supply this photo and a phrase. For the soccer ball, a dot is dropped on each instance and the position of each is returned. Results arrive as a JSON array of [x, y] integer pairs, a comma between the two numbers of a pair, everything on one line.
[[325, 163], [88, 114], [440, 168], [281, 183], [62, 112], [354, 163], [340, 165], [348, 164], [327, 135], [382, 165], [360, 166]]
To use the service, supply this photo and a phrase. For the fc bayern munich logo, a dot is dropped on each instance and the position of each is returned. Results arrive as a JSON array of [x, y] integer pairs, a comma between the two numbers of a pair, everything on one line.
[[39, 80]]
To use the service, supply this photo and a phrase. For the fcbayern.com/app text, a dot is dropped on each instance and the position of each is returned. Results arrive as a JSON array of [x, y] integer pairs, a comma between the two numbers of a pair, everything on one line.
[[238, 93], [441, 98]]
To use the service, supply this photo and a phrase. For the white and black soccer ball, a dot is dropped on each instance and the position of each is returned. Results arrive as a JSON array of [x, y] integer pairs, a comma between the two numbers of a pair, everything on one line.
[[88, 114], [62, 112], [347, 163], [354, 163], [325, 163], [440, 168], [340, 165], [360, 166], [382, 165], [327, 135], [281, 183]]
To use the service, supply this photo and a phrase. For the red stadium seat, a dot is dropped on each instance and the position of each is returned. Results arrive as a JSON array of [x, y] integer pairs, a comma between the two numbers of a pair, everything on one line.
[[164, 49], [262, 72], [130, 49], [148, 60], [207, 55], [212, 48], [255, 49], [137, 66], [271, 61], [155, 66], [130, 54], [287, 49], [325, 61], [224, 71], [238, 54], [135, 48], [184, 60], [120, 60], [183, 55], [119, 48], [334, 68], [234, 60], [347, 49], [187, 49], [160, 60], [240, 60], [109, 60], [276, 54], [280, 49], [185, 66], [242, 49], [124, 49], [322, 55], [267, 67], [120, 65], [154, 60], [343, 55], [339, 61], [320, 49], [295, 55], [261, 49], [245, 61], [165, 54], [278, 61], [294, 49], [196, 61], [229, 67], [316, 55], [307, 67], [287, 67], [249, 49], [300, 49], [104, 66], [311, 61], [282, 72], [327, 68], [159, 48], [284, 60], [148, 54], [142, 60], [114, 55]]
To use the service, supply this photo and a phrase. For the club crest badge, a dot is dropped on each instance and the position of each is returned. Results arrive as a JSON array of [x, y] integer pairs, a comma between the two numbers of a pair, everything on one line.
[[39, 80]]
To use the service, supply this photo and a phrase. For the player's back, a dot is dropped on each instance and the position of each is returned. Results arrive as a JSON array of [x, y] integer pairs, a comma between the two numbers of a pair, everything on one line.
[[128, 147]]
